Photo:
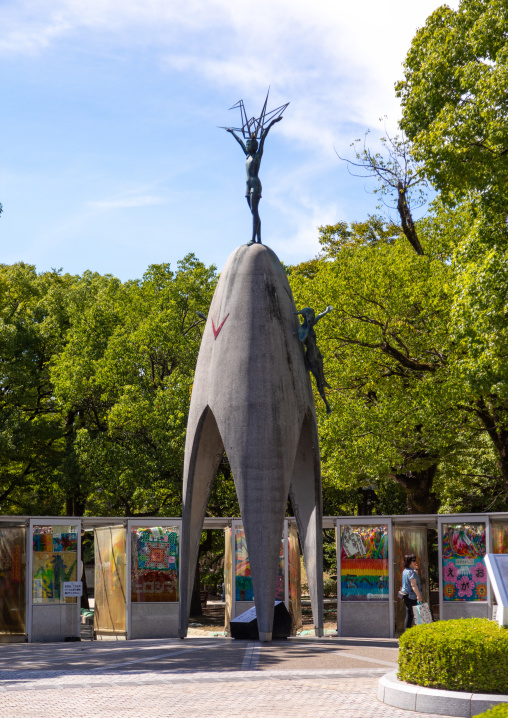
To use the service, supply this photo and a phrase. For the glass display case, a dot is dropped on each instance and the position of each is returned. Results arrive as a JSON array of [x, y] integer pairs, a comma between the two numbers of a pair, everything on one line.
[[153, 556], [239, 591], [294, 578], [54, 561], [499, 536], [409, 539], [464, 588], [365, 582]]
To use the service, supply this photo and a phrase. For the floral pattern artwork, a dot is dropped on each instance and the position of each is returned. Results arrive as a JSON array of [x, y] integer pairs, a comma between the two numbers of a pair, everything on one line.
[[464, 570], [449, 591], [465, 587], [450, 571], [479, 572], [481, 591], [465, 582]]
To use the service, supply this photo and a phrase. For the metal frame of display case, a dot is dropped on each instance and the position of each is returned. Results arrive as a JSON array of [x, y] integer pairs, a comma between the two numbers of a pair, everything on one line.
[[431, 520], [366, 521], [245, 605], [475, 609], [49, 521], [20, 522], [151, 613]]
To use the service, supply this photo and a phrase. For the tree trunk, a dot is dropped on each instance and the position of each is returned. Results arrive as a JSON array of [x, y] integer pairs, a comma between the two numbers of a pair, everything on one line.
[[494, 418], [418, 486], [406, 219]]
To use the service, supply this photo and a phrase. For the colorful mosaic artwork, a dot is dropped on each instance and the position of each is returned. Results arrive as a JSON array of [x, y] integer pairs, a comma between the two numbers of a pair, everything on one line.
[[243, 579], [50, 570], [464, 570], [154, 575], [54, 561], [55, 539], [364, 563]]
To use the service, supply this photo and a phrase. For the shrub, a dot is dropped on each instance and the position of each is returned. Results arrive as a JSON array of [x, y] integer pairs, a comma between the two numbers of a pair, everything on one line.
[[500, 711], [468, 654]]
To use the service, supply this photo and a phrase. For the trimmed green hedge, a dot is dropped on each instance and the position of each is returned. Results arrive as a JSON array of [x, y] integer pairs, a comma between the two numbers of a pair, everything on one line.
[[468, 654], [500, 711]]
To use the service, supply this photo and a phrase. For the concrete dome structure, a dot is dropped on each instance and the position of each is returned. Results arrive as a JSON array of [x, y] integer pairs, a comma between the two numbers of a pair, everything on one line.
[[252, 397]]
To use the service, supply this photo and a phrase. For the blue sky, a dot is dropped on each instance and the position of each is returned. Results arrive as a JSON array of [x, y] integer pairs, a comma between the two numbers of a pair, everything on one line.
[[110, 155]]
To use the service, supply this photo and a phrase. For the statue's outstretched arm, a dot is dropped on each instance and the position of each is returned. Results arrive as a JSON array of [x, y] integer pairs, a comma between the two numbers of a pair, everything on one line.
[[264, 134], [320, 316], [237, 139]]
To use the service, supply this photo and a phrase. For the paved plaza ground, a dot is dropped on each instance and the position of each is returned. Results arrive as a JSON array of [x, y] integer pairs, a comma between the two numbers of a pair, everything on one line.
[[198, 677]]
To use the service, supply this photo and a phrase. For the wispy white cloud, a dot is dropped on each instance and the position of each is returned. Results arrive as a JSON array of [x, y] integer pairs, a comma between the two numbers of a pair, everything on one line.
[[336, 63], [126, 202], [341, 59]]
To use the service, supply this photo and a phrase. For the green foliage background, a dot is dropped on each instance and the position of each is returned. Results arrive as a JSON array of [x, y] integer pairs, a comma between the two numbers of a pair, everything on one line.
[[96, 375]]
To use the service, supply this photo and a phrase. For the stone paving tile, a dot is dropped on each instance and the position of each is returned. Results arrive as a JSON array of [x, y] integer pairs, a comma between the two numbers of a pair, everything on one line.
[[318, 698], [197, 679]]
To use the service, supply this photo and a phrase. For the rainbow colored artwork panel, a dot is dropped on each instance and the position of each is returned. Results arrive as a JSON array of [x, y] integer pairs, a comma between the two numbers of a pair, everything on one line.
[[364, 579]]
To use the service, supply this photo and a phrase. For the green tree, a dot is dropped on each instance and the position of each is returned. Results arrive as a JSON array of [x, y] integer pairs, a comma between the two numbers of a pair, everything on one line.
[[124, 381], [385, 357], [454, 110], [33, 325], [400, 410], [453, 99]]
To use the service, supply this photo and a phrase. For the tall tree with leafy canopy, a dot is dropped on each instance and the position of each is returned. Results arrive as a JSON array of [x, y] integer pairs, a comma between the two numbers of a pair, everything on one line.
[[124, 380], [453, 98], [386, 357], [455, 111], [33, 327]]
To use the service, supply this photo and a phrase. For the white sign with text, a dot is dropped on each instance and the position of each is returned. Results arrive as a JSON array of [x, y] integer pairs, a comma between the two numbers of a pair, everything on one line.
[[72, 589]]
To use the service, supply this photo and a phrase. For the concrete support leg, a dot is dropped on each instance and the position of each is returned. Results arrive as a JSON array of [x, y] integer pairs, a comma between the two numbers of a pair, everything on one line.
[[203, 464], [263, 521], [305, 494]]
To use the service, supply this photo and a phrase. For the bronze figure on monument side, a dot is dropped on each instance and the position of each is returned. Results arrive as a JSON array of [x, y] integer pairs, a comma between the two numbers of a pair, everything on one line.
[[254, 131], [313, 357]]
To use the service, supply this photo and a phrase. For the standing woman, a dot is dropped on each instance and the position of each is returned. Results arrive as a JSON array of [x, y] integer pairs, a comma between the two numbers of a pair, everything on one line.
[[411, 586]]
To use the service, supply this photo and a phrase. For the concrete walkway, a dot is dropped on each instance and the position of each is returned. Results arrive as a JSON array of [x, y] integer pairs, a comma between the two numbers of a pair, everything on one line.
[[202, 678]]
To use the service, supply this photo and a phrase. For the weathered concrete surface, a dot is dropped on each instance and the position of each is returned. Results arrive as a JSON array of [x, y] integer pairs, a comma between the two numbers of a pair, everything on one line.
[[432, 700], [252, 396]]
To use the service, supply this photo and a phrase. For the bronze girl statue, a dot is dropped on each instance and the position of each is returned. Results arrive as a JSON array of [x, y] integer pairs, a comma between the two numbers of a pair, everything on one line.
[[253, 150]]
